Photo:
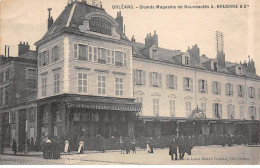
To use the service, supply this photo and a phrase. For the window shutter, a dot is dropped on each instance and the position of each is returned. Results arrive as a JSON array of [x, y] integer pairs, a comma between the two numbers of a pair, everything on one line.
[[175, 82], [226, 89], [220, 110], [184, 83], [248, 92], [254, 92], [219, 88], [160, 80], [58, 52], [232, 92], [187, 115], [167, 81], [191, 84], [75, 50], [228, 110], [143, 78], [150, 79], [243, 91], [238, 90], [206, 86], [213, 110], [47, 57], [213, 87], [199, 85], [52, 55], [134, 76]]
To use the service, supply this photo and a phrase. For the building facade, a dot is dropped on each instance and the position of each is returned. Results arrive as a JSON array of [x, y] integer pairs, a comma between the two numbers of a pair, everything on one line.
[[174, 86], [85, 75], [18, 77]]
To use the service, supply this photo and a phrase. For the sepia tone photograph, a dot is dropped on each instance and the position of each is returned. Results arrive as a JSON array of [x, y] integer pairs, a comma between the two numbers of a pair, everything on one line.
[[129, 82]]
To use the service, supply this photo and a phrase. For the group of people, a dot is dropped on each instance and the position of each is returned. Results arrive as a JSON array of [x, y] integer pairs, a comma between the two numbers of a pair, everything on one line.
[[51, 148], [127, 144]]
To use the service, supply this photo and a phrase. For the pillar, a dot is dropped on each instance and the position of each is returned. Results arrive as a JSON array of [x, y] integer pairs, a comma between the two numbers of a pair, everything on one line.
[[50, 125]]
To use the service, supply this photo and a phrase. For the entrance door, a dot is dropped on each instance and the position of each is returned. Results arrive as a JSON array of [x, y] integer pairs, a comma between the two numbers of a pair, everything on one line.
[[21, 130]]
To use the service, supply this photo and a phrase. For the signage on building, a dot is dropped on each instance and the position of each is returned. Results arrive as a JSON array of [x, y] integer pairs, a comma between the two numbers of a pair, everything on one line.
[[100, 25]]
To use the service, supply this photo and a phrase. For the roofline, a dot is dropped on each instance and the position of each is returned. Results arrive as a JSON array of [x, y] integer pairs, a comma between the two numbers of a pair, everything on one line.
[[72, 31], [194, 68]]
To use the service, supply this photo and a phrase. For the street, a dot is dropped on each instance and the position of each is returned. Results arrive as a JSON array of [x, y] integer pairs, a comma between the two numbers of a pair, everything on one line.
[[200, 155]]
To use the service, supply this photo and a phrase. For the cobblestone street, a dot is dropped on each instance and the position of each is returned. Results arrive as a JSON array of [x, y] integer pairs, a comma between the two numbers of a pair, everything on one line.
[[200, 155]]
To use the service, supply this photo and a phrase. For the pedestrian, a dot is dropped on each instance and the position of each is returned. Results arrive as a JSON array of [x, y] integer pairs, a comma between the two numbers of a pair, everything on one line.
[[28, 145], [133, 146], [67, 146], [81, 147], [14, 146], [47, 148], [121, 143], [173, 148], [55, 148], [181, 147], [149, 147], [128, 145], [32, 144]]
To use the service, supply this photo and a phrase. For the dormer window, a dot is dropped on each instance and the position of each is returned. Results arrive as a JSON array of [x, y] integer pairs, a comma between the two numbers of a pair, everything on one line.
[[215, 66], [187, 61]]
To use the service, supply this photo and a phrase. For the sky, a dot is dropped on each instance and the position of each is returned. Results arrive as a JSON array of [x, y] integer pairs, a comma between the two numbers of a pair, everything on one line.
[[26, 20]]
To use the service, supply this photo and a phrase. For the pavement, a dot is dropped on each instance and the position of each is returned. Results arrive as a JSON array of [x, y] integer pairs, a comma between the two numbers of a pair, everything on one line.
[[213, 154]]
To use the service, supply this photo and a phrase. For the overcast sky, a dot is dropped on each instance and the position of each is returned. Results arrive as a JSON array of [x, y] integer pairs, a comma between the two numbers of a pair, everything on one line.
[[26, 20]]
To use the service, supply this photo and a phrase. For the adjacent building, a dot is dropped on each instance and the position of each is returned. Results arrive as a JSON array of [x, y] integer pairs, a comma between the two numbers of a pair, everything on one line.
[[18, 89]]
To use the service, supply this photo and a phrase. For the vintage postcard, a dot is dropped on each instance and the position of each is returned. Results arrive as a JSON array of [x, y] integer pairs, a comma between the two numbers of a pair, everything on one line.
[[129, 82]]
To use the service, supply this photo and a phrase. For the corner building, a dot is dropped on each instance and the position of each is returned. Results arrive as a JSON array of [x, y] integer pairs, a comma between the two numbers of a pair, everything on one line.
[[84, 75]]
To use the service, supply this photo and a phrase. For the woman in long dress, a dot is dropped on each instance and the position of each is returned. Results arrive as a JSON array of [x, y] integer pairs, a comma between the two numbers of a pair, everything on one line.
[[81, 147], [67, 146]]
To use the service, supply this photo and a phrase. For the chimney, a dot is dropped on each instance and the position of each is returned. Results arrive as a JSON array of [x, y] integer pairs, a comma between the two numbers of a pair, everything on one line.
[[195, 52], [151, 40], [221, 59], [251, 66], [50, 19], [5, 50], [120, 21], [23, 48]]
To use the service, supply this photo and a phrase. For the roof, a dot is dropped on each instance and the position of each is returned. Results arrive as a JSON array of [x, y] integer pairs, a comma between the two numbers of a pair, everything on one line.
[[71, 17], [4, 60], [170, 56]]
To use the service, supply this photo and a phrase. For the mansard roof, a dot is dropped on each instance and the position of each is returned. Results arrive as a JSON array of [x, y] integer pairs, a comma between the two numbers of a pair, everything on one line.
[[71, 17], [169, 56]]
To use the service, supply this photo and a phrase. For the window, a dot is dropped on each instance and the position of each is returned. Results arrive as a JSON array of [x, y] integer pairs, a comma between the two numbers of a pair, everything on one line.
[[82, 83], [172, 108], [204, 108], [101, 84], [44, 86], [119, 58], [217, 110], [55, 54], [216, 88], [240, 91], [230, 111], [203, 86], [187, 84], [139, 77], [31, 73], [187, 61], [90, 53], [7, 74], [259, 93], [251, 92], [229, 89], [155, 79], [45, 58], [241, 108], [95, 54], [171, 81], [252, 112], [119, 86], [83, 51], [56, 83], [13, 116], [125, 59], [6, 100], [31, 114], [109, 55], [156, 106], [188, 108], [140, 100], [102, 55], [239, 71]]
